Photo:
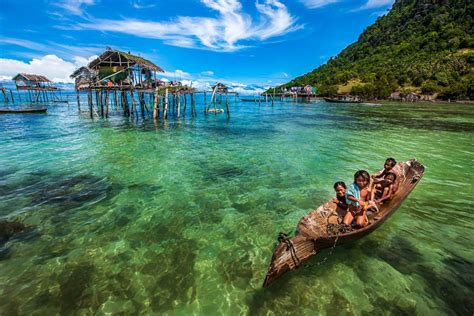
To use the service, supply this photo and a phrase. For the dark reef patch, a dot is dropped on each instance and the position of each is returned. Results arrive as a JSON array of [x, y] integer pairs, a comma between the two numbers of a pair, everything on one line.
[[59, 192], [8, 229], [223, 172], [454, 286], [75, 280]]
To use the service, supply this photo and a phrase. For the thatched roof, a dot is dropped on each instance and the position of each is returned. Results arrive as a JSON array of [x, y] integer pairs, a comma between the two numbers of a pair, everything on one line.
[[83, 71], [220, 86], [32, 78], [119, 58]]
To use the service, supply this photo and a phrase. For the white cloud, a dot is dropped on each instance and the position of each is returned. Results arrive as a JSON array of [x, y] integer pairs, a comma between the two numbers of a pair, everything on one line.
[[370, 4], [178, 74], [225, 32], [23, 43], [140, 5], [313, 4], [51, 66], [74, 6], [207, 73], [48, 47]]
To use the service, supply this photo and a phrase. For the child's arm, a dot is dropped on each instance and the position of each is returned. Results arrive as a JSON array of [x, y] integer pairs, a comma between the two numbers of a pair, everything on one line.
[[387, 194], [378, 176], [354, 199]]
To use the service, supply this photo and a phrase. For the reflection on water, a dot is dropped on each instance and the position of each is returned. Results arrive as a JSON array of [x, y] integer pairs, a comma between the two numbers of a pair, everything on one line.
[[181, 216]]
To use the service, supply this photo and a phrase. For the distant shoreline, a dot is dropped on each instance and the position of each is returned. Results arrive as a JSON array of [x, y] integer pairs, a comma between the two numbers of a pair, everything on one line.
[[424, 102]]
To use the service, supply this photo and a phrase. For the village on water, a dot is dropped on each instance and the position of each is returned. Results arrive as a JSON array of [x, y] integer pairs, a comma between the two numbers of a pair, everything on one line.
[[129, 84]]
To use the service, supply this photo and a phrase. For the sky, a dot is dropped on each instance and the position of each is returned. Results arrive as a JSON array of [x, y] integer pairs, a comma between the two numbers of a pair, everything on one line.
[[243, 42]]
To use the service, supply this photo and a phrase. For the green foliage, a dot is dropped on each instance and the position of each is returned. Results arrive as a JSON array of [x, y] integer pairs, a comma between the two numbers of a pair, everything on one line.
[[429, 87], [421, 43], [327, 91], [459, 90]]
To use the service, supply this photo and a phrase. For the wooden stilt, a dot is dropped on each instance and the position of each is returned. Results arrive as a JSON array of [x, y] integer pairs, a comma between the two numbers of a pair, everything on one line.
[[165, 110], [185, 103], [106, 103], [142, 103], [227, 105], [156, 109], [89, 100], [193, 105], [178, 103], [134, 104], [78, 101]]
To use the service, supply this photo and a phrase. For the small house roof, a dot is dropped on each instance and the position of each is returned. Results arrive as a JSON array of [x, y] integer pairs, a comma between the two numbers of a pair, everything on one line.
[[81, 71], [220, 85], [31, 77], [125, 58]]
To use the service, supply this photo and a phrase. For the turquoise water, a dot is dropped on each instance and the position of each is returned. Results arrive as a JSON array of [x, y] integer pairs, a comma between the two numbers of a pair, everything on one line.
[[181, 217]]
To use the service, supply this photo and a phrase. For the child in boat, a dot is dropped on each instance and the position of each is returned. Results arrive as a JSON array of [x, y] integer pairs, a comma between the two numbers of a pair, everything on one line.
[[340, 199], [357, 197], [383, 190], [380, 176]]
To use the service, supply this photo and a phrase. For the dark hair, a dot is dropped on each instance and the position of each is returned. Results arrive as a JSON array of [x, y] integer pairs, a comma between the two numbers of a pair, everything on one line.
[[391, 174], [339, 183], [392, 161], [362, 173]]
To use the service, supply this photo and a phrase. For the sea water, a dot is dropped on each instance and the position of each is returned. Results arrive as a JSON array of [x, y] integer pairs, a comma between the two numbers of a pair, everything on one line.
[[180, 217]]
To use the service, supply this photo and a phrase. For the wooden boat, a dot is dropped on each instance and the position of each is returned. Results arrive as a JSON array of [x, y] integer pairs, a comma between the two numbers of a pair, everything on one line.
[[316, 231], [216, 111], [251, 100], [23, 111], [332, 100]]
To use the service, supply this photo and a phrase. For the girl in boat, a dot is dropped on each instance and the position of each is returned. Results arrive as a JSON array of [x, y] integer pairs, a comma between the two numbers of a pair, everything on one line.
[[357, 197]]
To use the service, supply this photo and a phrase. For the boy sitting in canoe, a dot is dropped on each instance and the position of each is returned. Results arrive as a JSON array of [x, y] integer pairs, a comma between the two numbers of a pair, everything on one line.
[[357, 197], [380, 176], [383, 190], [340, 199]]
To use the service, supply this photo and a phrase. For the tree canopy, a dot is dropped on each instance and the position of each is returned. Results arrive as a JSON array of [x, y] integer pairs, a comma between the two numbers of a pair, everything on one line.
[[420, 45]]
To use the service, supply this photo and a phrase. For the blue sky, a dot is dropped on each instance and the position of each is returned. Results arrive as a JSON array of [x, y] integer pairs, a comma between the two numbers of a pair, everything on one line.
[[264, 42]]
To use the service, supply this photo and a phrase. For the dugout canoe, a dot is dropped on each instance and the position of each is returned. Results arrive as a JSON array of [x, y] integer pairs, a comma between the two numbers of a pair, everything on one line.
[[315, 231], [24, 110]]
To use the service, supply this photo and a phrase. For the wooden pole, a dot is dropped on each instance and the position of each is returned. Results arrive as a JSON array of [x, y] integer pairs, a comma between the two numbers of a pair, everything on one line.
[[89, 100], [227, 105], [178, 97], [78, 101], [134, 103], [101, 103], [156, 109], [142, 103], [165, 110], [185, 103], [106, 103]]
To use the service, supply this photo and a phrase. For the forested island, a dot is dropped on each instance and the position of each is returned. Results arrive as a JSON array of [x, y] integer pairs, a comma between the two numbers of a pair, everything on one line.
[[420, 46]]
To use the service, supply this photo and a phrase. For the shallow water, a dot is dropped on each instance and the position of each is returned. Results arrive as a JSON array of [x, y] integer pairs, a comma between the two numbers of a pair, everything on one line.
[[181, 217]]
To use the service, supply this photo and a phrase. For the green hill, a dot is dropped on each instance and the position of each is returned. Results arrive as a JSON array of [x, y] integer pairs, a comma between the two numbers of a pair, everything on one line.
[[425, 46]]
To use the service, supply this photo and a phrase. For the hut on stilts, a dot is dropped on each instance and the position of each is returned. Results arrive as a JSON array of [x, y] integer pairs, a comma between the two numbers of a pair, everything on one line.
[[129, 84], [38, 88], [219, 91]]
